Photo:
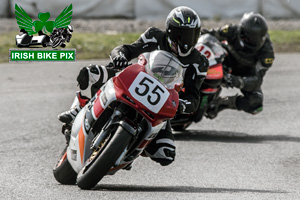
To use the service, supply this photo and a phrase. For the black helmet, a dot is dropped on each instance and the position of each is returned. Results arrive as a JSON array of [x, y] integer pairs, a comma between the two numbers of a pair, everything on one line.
[[183, 29], [253, 31]]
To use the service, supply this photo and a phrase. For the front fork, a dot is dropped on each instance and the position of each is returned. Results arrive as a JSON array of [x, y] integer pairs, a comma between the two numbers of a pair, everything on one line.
[[105, 130], [118, 118]]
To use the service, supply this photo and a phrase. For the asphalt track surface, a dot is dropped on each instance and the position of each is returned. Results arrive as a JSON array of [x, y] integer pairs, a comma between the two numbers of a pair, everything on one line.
[[235, 156]]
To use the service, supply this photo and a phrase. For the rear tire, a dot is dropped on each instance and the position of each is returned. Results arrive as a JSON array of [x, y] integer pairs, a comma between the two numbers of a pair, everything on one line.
[[97, 168], [63, 171]]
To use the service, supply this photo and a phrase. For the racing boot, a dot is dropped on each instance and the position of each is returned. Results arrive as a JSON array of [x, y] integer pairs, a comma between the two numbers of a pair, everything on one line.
[[220, 104], [69, 116]]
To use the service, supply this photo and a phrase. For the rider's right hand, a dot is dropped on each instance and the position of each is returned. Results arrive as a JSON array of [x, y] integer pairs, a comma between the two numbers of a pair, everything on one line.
[[120, 61]]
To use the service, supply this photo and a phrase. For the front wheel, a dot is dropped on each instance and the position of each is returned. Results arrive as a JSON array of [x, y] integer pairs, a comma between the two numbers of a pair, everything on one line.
[[100, 162], [63, 172]]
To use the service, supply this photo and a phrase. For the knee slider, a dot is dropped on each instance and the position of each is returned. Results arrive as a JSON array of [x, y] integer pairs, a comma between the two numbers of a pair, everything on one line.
[[255, 104], [257, 110]]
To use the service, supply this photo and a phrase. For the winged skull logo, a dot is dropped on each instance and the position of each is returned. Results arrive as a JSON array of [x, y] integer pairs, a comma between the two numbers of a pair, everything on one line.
[[32, 27]]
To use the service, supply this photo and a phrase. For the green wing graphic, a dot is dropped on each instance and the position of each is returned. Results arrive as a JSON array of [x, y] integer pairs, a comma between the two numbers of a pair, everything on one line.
[[64, 19], [23, 20]]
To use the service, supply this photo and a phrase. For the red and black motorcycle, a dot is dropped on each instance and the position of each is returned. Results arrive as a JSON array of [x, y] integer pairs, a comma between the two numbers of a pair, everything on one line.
[[209, 46], [118, 123]]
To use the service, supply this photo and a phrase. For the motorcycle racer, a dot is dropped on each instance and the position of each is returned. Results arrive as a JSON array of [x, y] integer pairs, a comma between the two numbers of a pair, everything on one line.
[[182, 32], [251, 55]]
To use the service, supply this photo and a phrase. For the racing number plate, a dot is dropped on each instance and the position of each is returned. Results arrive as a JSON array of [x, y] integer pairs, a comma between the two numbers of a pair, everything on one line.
[[149, 92], [208, 54]]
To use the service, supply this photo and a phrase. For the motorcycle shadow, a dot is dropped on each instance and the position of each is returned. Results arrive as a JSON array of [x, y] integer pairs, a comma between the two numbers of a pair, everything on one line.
[[229, 136], [180, 189]]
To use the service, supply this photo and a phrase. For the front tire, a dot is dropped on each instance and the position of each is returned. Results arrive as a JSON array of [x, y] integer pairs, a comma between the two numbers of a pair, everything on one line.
[[98, 167], [63, 171]]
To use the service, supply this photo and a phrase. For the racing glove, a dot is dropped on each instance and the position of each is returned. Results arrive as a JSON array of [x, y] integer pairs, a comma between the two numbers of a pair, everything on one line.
[[234, 81], [120, 61]]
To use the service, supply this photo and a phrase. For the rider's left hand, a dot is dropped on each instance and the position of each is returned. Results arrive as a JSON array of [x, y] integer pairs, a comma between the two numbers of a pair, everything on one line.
[[120, 61], [181, 107]]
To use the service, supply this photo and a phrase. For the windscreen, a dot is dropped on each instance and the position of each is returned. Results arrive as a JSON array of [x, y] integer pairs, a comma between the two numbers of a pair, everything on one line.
[[165, 67]]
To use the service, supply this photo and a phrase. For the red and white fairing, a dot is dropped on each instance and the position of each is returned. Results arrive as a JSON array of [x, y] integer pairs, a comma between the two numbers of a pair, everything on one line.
[[154, 98], [215, 54], [135, 87]]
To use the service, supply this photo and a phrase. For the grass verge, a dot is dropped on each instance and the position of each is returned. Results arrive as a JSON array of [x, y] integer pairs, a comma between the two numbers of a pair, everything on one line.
[[98, 45], [285, 41]]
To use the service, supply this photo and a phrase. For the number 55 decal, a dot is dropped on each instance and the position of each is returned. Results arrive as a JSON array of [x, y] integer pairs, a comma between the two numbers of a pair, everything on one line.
[[148, 91]]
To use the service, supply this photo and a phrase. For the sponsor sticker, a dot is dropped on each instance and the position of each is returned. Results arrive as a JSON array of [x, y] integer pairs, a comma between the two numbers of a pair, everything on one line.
[[269, 60]]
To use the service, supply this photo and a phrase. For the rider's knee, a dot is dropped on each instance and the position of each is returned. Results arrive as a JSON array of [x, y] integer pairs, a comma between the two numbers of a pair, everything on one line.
[[257, 110], [255, 104], [90, 75], [252, 104]]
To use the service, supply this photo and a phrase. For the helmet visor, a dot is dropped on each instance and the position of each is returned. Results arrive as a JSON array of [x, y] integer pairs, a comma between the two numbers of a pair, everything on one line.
[[252, 40], [185, 38]]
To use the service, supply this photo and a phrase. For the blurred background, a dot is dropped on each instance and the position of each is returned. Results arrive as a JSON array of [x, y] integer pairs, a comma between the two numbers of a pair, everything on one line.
[[156, 9]]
